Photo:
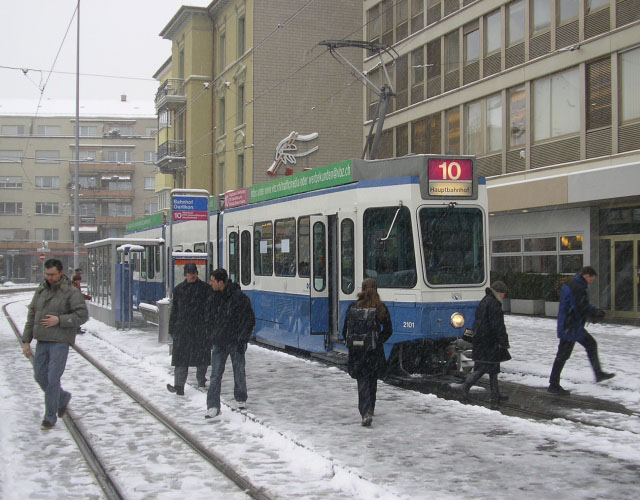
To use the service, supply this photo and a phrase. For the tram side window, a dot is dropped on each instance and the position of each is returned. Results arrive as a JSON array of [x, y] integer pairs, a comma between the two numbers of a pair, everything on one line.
[[303, 247], [285, 247], [347, 268], [263, 248], [388, 238], [245, 257], [319, 257], [233, 257]]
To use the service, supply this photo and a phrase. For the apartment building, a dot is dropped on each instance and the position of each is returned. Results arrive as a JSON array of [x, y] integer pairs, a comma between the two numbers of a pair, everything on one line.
[[116, 179], [248, 89], [544, 93]]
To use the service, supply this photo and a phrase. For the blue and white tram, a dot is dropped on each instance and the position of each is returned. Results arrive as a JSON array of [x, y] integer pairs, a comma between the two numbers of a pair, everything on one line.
[[418, 225]]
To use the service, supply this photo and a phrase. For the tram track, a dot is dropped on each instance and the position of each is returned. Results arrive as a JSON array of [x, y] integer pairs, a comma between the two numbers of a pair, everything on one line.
[[104, 474]]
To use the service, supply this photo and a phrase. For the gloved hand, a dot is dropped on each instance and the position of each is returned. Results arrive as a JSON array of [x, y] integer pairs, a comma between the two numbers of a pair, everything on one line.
[[597, 316], [242, 347]]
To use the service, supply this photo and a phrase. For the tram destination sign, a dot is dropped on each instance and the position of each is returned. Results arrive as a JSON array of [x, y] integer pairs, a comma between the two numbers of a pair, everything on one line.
[[189, 207], [449, 177]]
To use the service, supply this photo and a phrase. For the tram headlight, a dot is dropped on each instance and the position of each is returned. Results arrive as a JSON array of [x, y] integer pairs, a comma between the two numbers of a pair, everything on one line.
[[457, 320]]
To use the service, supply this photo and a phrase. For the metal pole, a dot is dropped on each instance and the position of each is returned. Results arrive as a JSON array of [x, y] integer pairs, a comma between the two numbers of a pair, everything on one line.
[[76, 156]]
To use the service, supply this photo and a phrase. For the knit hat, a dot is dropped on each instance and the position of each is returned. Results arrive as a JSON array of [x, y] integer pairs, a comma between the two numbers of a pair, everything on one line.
[[499, 286], [190, 267]]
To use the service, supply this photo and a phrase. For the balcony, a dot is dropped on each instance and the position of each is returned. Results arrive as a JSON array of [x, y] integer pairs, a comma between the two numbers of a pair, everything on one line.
[[171, 94], [95, 168], [171, 157], [111, 220], [104, 194]]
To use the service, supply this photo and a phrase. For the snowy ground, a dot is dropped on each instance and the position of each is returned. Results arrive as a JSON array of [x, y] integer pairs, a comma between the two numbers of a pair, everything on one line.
[[306, 440]]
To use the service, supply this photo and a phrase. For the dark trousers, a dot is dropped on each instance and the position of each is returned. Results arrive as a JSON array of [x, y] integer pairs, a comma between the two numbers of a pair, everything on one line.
[[565, 348], [367, 388], [475, 375], [180, 375]]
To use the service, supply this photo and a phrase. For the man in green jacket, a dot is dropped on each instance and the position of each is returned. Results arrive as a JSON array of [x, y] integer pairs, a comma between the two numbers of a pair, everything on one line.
[[55, 312]]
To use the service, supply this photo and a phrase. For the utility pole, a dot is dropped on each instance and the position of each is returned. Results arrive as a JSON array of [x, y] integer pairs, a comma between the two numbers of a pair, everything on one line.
[[76, 157]]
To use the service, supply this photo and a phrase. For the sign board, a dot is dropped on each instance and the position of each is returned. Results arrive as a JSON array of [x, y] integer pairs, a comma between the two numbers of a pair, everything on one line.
[[43, 256], [190, 208], [450, 177]]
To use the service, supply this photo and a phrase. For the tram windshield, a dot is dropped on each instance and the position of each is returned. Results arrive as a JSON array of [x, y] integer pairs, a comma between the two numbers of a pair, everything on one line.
[[453, 245]]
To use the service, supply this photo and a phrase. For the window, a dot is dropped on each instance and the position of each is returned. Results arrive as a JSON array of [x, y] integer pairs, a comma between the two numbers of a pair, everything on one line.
[[11, 156], [629, 78], [263, 248], [433, 60], [241, 36], [347, 257], [87, 209], [7, 234], [11, 182], [540, 15], [594, 4], [164, 118], [546, 259], [116, 130], [150, 131], [556, 109], [221, 117], [47, 182], [473, 128], [451, 52], [418, 137], [417, 75], [11, 207], [49, 130], [373, 98], [402, 19], [452, 133], [87, 154], [373, 24], [86, 182], [387, 22], [433, 11], [598, 94], [221, 177], [149, 182], [222, 49], [567, 10], [245, 257], [389, 256], [285, 247], [402, 82], [150, 156], [119, 209], [494, 123], [240, 105], [538, 254], [515, 18], [12, 130], [471, 43], [319, 258], [47, 207], [402, 140], [234, 256], [304, 252], [453, 245], [517, 116], [46, 234], [120, 185], [150, 207], [426, 135], [240, 172], [87, 130], [492, 32], [119, 156], [47, 156], [417, 15]]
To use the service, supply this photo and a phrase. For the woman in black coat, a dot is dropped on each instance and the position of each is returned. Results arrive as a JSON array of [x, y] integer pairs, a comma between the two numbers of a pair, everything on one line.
[[189, 329], [366, 366], [490, 341]]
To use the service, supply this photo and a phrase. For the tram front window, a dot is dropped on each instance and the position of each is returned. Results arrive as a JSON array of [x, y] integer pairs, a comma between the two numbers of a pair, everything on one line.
[[453, 245], [388, 243]]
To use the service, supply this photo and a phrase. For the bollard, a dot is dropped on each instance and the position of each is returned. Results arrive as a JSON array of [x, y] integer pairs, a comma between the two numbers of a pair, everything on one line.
[[164, 309]]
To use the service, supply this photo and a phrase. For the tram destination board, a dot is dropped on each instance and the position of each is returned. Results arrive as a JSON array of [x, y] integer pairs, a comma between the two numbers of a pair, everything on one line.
[[190, 208], [449, 177]]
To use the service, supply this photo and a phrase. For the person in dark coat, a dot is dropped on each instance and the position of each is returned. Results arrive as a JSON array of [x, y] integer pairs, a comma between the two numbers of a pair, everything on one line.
[[188, 328], [490, 342], [232, 321], [367, 366], [573, 313]]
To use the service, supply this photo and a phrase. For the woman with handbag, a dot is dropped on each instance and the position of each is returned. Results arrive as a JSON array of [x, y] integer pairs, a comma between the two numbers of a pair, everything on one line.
[[366, 362], [490, 342]]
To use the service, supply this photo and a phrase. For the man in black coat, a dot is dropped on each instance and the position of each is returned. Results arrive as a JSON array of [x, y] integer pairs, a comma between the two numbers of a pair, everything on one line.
[[188, 328], [490, 342], [232, 322]]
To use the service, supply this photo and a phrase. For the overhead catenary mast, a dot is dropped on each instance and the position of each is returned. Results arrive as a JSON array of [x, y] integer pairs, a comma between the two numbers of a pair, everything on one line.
[[384, 92]]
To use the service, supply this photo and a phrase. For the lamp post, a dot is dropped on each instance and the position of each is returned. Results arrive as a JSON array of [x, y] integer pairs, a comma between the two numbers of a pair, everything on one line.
[[76, 156]]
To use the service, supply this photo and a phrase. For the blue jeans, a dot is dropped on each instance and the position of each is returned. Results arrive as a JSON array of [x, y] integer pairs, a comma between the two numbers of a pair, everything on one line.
[[219, 356], [48, 366]]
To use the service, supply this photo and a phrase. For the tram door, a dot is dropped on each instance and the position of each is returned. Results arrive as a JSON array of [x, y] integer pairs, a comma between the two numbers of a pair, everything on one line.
[[318, 287]]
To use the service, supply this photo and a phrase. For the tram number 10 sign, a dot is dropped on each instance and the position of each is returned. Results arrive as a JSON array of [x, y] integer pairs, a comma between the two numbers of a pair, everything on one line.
[[450, 177]]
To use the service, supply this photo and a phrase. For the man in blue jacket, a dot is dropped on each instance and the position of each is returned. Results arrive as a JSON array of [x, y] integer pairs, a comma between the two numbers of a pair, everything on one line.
[[573, 313]]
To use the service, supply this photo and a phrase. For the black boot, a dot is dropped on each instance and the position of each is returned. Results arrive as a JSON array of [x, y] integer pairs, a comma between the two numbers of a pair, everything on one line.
[[496, 398], [178, 389], [602, 376]]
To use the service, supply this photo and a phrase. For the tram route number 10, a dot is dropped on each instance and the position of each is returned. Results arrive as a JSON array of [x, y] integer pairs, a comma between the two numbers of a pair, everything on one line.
[[442, 169]]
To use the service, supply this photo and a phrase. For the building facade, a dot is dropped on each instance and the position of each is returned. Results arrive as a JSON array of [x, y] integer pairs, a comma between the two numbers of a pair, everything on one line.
[[116, 184], [242, 77], [543, 93]]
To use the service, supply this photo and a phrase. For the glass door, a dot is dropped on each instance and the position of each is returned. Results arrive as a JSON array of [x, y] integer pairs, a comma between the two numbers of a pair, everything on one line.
[[619, 280]]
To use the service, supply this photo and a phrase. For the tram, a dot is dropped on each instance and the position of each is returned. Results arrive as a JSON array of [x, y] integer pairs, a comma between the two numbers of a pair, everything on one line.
[[301, 245]]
